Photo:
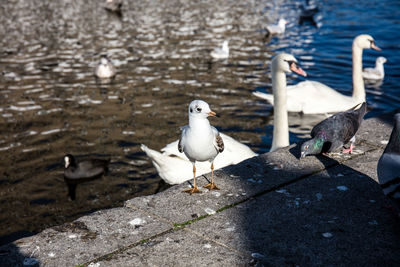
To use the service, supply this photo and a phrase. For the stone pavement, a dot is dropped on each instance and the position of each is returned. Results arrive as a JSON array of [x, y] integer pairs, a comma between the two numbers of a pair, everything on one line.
[[272, 210]]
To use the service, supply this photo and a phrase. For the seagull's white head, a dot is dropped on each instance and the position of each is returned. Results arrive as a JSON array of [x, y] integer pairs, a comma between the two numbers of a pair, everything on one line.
[[381, 60], [200, 109], [282, 22], [104, 60]]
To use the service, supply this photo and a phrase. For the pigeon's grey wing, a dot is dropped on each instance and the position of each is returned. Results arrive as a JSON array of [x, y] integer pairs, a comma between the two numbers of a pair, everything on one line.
[[218, 142], [341, 126], [351, 122], [334, 130]]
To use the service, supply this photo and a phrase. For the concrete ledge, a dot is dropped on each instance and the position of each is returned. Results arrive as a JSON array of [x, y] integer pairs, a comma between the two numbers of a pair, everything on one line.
[[273, 209]]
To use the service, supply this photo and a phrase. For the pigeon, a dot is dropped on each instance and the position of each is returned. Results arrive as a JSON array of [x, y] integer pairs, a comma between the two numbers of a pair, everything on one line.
[[78, 172], [389, 165], [105, 69], [333, 132], [200, 141], [377, 73]]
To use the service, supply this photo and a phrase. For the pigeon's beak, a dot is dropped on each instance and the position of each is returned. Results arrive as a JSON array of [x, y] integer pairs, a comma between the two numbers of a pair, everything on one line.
[[295, 68], [212, 114], [302, 155], [375, 47]]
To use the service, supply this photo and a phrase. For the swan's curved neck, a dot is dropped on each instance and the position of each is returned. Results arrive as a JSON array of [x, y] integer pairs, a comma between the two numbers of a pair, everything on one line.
[[280, 136], [358, 82]]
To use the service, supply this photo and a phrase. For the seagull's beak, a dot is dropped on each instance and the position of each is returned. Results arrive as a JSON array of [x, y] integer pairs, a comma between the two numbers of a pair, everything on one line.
[[375, 47], [295, 68], [212, 114]]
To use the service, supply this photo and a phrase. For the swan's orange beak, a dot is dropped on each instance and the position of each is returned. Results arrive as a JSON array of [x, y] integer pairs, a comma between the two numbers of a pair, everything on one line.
[[295, 68], [375, 47]]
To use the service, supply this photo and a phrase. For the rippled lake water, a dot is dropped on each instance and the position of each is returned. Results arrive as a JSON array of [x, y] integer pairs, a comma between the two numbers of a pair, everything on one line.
[[51, 104]]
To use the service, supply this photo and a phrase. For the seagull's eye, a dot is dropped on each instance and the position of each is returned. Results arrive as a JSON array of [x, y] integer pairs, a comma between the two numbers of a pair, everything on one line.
[[191, 110], [198, 109]]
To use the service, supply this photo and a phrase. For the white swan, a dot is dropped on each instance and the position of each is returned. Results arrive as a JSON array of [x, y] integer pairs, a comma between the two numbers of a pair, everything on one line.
[[281, 64], [175, 168], [277, 29], [221, 53], [311, 97], [377, 73]]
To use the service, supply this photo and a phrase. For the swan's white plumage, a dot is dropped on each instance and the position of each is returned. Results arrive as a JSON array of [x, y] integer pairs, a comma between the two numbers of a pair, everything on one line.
[[297, 100], [311, 97], [175, 168]]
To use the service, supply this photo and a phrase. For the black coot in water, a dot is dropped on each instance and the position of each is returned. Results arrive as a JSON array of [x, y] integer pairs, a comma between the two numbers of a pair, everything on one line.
[[307, 13], [78, 172]]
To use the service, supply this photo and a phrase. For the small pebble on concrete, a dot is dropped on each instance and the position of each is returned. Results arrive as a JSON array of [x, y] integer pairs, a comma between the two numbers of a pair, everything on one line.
[[137, 221], [209, 211]]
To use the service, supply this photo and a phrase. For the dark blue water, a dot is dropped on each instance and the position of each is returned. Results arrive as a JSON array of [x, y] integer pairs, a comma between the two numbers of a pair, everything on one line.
[[325, 51]]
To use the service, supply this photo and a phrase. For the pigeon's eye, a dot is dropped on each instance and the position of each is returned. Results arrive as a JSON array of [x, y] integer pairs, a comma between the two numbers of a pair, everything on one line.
[[198, 109], [306, 147]]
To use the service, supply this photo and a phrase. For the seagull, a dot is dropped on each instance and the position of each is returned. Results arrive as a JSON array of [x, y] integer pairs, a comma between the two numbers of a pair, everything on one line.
[[333, 132], [278, 28], [200, 141], [78, 172], [174, 167], [389, 165], [105, 68], [377, 73], [221, 53]]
